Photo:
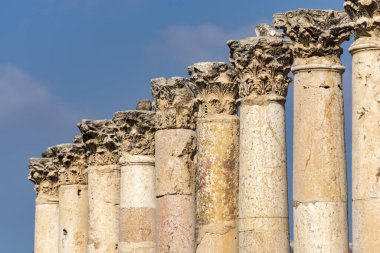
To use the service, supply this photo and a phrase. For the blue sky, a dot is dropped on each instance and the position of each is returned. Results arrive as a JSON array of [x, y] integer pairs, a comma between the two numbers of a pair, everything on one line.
[[61, 61]]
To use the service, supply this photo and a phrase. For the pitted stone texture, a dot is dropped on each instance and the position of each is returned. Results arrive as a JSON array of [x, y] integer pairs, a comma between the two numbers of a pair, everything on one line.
[[262, 173], [319, 227], [174, 102], [136, 132], [46, 233], [365, 224], [176, 224], [137, 231], [137, 205], [217, 181], [264, 235], [73, 218], [262, 65], [144, 105], [315, 32], [71, 160], [104, 198], [101, 140], [319, 174], [216, 90], [44, 174], [365, 125], [319, 144], [175, 167], [366, 144], [365, 15]]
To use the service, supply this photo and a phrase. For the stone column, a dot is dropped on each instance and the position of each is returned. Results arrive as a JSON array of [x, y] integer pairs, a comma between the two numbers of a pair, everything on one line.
[[137, 183], [73, 196], [365, 125], [100, 138], [262, 64], [218, 153], [319, 172], [175, 105], [44, 175]]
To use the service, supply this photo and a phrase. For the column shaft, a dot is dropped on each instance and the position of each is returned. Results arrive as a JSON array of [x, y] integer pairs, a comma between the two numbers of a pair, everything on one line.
[[137, 205], [263, 204], [44, 174], [320, 187], [217, 183], [365, 144], [104, 195], [175, 190], [73, 218], [46, 227]]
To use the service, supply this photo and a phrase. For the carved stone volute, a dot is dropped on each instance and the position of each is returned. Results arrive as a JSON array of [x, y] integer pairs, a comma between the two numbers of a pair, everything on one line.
[[262, 64], [217, 91], [71, 161], [315, 32], [101, 140], [365, 15], [174, 102], [136, 132], [44, 174]]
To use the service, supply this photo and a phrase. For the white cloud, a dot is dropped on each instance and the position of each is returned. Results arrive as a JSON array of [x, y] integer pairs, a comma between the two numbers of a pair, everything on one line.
[[26, 99], [186, 44]]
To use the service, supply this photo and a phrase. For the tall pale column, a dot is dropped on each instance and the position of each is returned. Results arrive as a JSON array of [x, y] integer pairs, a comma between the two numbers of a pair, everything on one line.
[[175, 105], [100, 138], [262, 64], [71, 161], [365, 125], [218, 153], [44, 174], [319, 172], [137, 222]]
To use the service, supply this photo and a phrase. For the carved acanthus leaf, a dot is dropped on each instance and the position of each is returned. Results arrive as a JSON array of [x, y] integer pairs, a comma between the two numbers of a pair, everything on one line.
[[217, 91], [365, 14], [174, 102], [44, 174], [136, 131], [101, 140], [315, 32], [262, 65], [71, 161]]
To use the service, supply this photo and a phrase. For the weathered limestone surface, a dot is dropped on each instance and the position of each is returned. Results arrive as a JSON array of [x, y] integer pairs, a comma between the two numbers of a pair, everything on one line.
[[44, 174], [218, 153], [365, 125], [319, 174], [73, 218], [263, 64], [100, 138], [174, 102], [175, 140], [73, 196], [137, 183]]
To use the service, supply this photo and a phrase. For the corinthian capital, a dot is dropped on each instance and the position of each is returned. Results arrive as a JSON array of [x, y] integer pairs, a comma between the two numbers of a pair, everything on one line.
[[44, 174], [315, 32], [71, 161], [174, 102], [366, 16], [262, 64], [136, 130], [216, 90], [101, 140]]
